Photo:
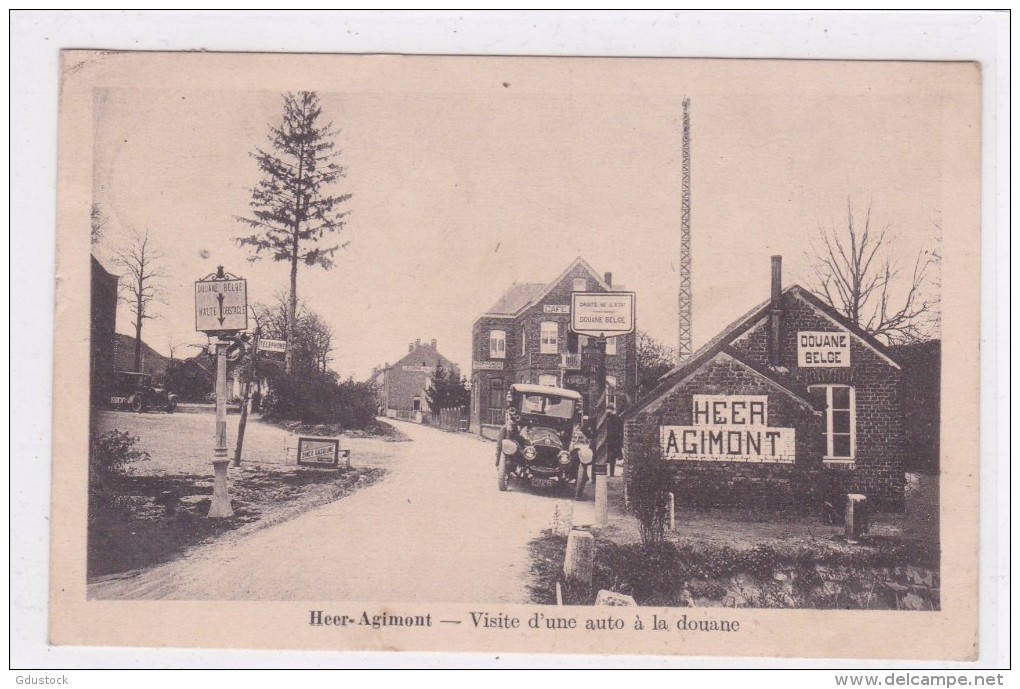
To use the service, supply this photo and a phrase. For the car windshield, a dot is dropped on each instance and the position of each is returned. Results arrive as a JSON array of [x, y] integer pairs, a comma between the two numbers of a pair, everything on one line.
[[548, 405]]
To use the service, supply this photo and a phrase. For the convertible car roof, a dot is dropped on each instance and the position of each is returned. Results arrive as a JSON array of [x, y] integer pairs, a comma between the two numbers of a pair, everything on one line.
[[546, 390]]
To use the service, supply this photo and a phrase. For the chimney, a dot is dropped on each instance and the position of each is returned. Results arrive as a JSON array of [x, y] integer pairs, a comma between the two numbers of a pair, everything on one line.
[[433, 343], [776, 311], [410, 346], [417, 342], [608, 277]]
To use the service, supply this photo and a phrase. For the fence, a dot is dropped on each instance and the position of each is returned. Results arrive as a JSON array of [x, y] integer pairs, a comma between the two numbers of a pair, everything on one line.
[[452, 419]]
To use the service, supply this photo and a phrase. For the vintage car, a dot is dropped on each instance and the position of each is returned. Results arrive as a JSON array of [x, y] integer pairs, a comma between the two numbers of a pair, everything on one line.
[[136, 392], [541, 437]]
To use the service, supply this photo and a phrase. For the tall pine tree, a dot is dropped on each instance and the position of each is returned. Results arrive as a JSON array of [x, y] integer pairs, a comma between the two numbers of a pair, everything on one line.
[[294, 207]]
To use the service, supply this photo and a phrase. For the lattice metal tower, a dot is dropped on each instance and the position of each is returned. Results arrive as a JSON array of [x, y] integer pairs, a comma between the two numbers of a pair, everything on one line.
[[684, 348]]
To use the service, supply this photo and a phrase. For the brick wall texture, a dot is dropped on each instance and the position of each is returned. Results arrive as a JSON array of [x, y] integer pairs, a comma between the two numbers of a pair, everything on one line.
[[525, 364], [877, 471]]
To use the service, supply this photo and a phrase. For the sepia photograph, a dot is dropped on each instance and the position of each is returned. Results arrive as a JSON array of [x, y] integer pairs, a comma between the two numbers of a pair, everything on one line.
[[454, 353]]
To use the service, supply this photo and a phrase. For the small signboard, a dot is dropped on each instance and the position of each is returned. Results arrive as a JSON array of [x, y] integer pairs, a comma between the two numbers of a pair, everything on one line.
[[556, 308], [272, 345], [488, 365], [319, 452], [602, 314], [816, 349], [221, 305]]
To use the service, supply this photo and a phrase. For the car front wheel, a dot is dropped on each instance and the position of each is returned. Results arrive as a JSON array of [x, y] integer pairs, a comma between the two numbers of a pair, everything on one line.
[[502, 472]]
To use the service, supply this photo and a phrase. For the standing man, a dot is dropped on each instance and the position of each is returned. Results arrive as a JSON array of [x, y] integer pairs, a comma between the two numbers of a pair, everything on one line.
[[614, 439]]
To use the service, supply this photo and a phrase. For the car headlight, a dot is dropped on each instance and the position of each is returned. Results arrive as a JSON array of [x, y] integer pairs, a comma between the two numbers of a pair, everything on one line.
[[564, 458], [530, 452], [585, 455], [509, 447]]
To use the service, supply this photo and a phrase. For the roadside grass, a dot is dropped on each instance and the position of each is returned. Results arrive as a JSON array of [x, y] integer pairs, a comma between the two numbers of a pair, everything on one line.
[[378, 429], [889, 573], [137, 521]]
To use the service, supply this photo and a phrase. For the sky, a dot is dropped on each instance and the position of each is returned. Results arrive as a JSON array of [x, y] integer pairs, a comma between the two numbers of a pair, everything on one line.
[[467, 176]]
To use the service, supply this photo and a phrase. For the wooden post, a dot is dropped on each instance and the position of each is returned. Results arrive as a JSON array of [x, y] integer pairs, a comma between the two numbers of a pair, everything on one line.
[[220, 505], [580, 557], [246, 397]]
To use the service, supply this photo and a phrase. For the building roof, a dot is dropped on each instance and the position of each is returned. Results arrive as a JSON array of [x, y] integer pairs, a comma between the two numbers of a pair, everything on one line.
[[520, 295], [415, 355], [721, 342], [516, 298]]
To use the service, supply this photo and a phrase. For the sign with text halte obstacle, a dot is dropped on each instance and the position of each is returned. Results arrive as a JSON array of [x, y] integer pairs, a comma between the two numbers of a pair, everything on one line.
[[221, 304], [823, 349], [729, 428], [602, 314]]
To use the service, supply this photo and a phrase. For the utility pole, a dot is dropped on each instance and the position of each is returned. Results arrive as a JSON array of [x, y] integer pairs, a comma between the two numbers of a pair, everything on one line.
[[684, 347], [252, 376]]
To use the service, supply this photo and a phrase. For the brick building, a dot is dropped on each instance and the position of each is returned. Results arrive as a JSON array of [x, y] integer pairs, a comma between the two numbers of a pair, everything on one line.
[[103, 318], [525, 338], [789, 405], [402, 386]]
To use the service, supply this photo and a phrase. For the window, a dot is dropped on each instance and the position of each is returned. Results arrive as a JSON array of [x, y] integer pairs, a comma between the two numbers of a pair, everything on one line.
[[840, 421], [496, 400], [580, 285], [524, 340], [611, 392], [610, 345], [550, 337], [497, 344], [576, 343], [548, 379]]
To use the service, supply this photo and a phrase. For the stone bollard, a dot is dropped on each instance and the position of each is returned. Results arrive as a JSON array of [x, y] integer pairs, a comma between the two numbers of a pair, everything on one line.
[[856, 517], [580, 557]]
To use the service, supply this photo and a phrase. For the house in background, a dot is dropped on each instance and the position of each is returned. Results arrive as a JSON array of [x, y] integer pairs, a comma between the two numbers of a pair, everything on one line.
[[791, 405], [525, 337], [102, 331], [403, 385]]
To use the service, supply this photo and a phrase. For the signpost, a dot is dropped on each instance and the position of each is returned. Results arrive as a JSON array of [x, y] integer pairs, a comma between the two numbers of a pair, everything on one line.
[[598, 314], [221, 311]]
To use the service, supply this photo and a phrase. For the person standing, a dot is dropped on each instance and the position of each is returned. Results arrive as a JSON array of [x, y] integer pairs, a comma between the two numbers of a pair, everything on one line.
[[614, 439]]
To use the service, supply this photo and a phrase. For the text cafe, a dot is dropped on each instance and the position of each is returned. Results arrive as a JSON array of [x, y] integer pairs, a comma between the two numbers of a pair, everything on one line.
[[788, 406]]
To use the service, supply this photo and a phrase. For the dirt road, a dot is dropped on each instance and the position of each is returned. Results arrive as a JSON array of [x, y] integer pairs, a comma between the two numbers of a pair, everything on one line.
[[435, 530]]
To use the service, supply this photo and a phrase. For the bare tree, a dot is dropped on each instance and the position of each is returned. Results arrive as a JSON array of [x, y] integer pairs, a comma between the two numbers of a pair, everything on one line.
[[855, 274], [141, 290], [312, 336], [292, 209]]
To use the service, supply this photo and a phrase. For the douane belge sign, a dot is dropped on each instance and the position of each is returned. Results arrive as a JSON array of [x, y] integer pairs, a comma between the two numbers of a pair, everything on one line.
[[602, 314], [221, 305]]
